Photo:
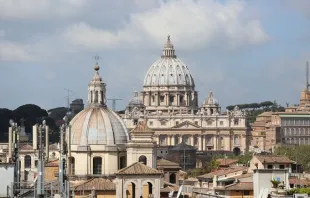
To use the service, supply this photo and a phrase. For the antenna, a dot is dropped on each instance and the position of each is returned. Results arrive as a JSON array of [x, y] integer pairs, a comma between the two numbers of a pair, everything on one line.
[[70, 93], [307, 76], [114, 103]]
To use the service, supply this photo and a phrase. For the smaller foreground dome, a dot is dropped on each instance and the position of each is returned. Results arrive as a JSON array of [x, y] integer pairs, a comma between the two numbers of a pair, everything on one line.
[[98, 125]]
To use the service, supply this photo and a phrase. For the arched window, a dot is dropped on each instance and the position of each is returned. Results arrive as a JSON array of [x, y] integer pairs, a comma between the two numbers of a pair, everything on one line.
[[162, 140], [150, 185], [221, 142], [72, 165], [236, 140], [101, 95], [142, 159], [172, 178], [27, 161], [176, 140], [96, 97], [97, 165]]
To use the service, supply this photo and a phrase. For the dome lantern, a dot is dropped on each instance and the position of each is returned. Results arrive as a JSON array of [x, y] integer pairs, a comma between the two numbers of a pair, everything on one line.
[[97, 89], [168, 50]]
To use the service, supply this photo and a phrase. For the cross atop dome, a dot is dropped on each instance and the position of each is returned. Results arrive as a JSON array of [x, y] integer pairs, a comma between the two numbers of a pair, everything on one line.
[[96, 67], [168, 51]]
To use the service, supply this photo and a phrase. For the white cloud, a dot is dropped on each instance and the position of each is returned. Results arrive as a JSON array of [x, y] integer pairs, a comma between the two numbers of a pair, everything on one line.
[[37, 9], [13, 52], [192, 25]]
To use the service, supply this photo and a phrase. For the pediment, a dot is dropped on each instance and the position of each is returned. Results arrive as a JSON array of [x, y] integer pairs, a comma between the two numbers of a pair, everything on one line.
[[186, 125]]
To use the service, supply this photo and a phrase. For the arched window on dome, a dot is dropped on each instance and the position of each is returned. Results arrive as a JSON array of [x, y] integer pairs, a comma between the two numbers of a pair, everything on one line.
[[143, 159], [101, 96], [97, 165], [91, 96], [96, 97]]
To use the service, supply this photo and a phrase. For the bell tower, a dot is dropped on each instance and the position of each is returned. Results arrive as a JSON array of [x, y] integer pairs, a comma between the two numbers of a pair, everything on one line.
[[140, 148]]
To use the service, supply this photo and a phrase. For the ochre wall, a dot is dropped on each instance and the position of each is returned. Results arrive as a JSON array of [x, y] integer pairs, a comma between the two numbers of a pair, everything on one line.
[[100, 194], [50, 173], [238, 194]]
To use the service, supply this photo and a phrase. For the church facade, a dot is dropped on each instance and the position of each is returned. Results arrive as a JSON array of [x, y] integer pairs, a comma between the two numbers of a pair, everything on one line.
[[168, 103]]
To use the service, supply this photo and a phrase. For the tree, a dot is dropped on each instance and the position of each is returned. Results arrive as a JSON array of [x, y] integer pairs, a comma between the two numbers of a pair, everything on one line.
[[58, 113], [5, 116], [297, 153], [31, 113]]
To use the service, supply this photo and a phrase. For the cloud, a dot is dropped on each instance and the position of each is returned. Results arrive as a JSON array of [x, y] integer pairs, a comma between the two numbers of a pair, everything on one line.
[[38, 9], [10, 51], [301, 5], [192, 25]]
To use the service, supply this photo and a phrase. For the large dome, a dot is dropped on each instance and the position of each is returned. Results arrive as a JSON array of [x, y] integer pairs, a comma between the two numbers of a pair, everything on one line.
[[168, 70], [98, 125]]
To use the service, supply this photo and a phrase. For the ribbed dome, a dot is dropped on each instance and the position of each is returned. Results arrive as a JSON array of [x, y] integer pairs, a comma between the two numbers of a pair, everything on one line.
[[98, 125], [135, 101], [168, 70]]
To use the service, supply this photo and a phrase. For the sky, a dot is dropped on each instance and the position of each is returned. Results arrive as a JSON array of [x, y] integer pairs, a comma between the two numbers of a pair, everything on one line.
[[244, 51]]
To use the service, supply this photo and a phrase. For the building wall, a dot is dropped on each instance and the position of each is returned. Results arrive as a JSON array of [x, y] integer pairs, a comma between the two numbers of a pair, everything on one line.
[[240, 194], [49, 173], [84, 162], [295, 129], [204, 132], [262, 178], [7, 175]]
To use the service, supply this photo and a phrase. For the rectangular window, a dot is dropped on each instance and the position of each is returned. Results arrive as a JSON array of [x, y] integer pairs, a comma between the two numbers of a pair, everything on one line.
[[269, 166], [176, 123], [246, 192], [236, 121], [151, 123], [162, 98], [281, 166], [196, 122]]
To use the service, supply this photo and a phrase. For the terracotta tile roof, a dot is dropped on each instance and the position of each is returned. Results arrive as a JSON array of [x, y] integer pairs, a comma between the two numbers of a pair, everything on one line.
[[270, 159], [54, 163], [53, 147], [191, 179], [96, 184], [226, 162], [237, 186], [163, 162], [220, 172], [169, 189], [138, 169], [303, 182], [141, 127], [244, 176]]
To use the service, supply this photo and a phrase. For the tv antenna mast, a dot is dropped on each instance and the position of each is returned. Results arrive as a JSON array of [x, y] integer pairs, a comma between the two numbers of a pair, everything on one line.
[[114, 102], [70, 93]]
